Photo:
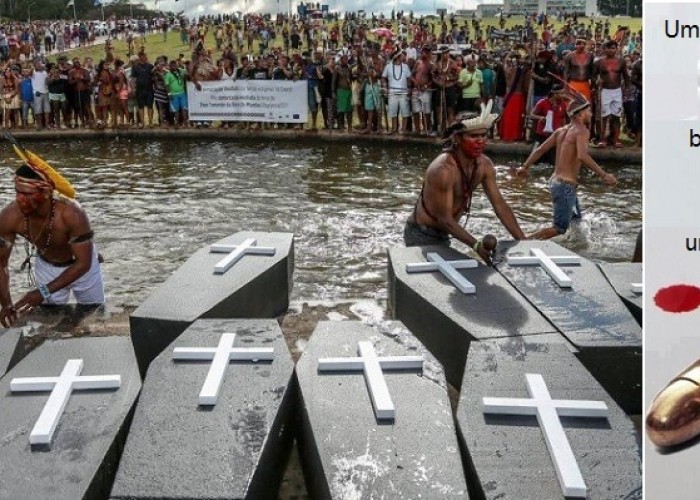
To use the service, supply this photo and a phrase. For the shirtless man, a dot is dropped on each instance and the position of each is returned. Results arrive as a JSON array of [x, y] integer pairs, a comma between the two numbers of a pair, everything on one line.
[[612, 71], [571, 144], [449, 184], [58, 232], [445, 75], [79, 78], [421, 80], [578, 69]]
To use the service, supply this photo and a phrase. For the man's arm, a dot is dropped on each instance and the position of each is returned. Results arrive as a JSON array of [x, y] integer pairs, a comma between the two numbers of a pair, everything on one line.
[[78, 229], [503, 211], [8, 314], [540, 151], [585, 159]]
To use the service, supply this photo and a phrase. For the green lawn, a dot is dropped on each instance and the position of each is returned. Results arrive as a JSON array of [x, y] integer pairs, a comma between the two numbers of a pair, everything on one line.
[[155, 46]]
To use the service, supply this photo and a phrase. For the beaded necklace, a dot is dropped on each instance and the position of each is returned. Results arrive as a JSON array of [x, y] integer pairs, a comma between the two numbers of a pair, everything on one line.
[[30, 247]]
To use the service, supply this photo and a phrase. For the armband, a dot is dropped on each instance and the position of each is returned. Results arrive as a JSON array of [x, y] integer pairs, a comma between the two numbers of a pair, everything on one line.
[[44, 291], [82, 238], [476, 246]]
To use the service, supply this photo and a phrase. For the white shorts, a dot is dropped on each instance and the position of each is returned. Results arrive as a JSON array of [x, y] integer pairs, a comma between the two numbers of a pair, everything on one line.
[[41, 104], [611, 102], [399, 102], [88, 289], [421, 101]]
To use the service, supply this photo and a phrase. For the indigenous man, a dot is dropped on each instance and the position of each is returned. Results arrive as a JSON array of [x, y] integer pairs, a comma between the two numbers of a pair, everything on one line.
[[57, 232], [449, 187], [571, 144], [612, 71], [445, 76], [395, 76], [578, 69], [422, 92]]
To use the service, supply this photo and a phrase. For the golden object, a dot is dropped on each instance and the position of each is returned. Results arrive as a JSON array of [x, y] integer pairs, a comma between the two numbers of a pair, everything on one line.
[[36, 163], [674, 415]]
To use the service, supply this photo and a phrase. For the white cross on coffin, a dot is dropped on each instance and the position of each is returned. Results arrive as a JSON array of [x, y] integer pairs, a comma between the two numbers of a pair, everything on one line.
[[448, 268], [637, 288], [548, 411], [373, 368], [220, 357], [549, 263], [61, 388], [236, 252]]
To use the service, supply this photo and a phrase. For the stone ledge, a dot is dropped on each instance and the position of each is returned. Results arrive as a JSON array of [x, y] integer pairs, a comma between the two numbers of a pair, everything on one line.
[[624, 155]]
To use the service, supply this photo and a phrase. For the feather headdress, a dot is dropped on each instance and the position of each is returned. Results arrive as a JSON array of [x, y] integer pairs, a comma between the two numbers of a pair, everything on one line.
[[483, 121], [48, 175]]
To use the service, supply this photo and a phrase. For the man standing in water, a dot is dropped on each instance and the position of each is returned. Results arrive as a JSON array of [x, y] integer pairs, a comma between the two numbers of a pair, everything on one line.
[[57, 232], [448, 188], [571, 143]]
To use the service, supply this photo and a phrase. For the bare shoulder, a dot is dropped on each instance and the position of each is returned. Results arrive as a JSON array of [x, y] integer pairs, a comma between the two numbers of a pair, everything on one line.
[[70, 211], [442, 171], [442, 164]]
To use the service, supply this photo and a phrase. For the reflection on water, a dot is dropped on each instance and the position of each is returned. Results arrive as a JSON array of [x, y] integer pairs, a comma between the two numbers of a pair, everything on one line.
[[152, 204]]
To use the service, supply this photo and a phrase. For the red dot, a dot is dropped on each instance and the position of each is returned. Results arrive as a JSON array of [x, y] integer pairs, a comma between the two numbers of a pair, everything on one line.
[[678, 298]]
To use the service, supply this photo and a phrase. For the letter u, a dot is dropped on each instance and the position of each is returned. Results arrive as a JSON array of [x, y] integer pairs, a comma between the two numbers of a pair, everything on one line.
[[695, 244], [669, 34]]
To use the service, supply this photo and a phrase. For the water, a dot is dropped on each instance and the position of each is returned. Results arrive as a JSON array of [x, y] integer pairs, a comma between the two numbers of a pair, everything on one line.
[[152, 204]]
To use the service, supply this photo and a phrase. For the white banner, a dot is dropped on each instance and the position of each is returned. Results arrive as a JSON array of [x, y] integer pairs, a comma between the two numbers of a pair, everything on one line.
[[278, 101]]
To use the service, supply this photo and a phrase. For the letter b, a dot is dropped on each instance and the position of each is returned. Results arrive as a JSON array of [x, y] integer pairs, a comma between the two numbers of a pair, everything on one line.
[[694, 139]]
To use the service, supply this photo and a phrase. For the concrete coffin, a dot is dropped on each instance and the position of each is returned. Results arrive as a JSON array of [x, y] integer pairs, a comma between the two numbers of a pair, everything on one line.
[[507, 456], [237, 448], [81, 460], [346, 452], [12, 348], [256, 286], [621, 275], [589, 314], [445, 320]]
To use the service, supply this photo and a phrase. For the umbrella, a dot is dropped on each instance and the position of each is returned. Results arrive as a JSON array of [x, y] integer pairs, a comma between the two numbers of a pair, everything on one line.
[[383, 32]]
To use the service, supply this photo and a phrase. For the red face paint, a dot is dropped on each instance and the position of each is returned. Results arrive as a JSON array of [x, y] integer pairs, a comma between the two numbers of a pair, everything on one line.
[[473, 144], [678, 298]]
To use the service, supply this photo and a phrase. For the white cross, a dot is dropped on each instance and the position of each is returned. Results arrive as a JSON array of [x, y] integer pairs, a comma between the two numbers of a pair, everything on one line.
[[220, 357], [61, 388], [549, 263], [448, 268], [236, 252], [373, 367], [548, 411], [637, 288]]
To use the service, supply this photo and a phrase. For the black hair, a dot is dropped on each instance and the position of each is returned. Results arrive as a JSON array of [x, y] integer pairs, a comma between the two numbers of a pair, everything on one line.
[[28, 173]]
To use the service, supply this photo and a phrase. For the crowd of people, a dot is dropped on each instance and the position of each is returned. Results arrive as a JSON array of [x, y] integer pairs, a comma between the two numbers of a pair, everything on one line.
[[404, 75]]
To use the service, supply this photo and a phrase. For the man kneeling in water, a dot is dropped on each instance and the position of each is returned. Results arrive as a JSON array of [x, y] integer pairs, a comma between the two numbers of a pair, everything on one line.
[[57, 231], [571, 143], [449, 184]]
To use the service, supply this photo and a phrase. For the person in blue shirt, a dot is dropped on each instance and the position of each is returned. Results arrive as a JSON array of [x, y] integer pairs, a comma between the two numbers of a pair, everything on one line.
[[26, 94]]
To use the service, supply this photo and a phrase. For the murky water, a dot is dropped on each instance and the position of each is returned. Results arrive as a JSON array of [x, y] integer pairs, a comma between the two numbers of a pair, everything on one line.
[[152, 204]]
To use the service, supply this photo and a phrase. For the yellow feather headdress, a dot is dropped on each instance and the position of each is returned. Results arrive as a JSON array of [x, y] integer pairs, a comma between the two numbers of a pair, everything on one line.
[[43, 169]]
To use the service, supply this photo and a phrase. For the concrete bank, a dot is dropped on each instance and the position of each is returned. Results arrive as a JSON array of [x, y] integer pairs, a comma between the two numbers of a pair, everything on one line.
[[629, 155]]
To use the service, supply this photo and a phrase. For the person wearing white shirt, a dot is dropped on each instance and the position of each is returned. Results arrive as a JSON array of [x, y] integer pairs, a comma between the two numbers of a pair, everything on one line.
[[395, 78], [41, 104]]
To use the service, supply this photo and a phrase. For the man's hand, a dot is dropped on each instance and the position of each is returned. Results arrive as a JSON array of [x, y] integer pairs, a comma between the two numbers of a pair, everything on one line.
[[486, 255], [8, 315], [522, 171], [198, 86], [610, 180], [27, 303]]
